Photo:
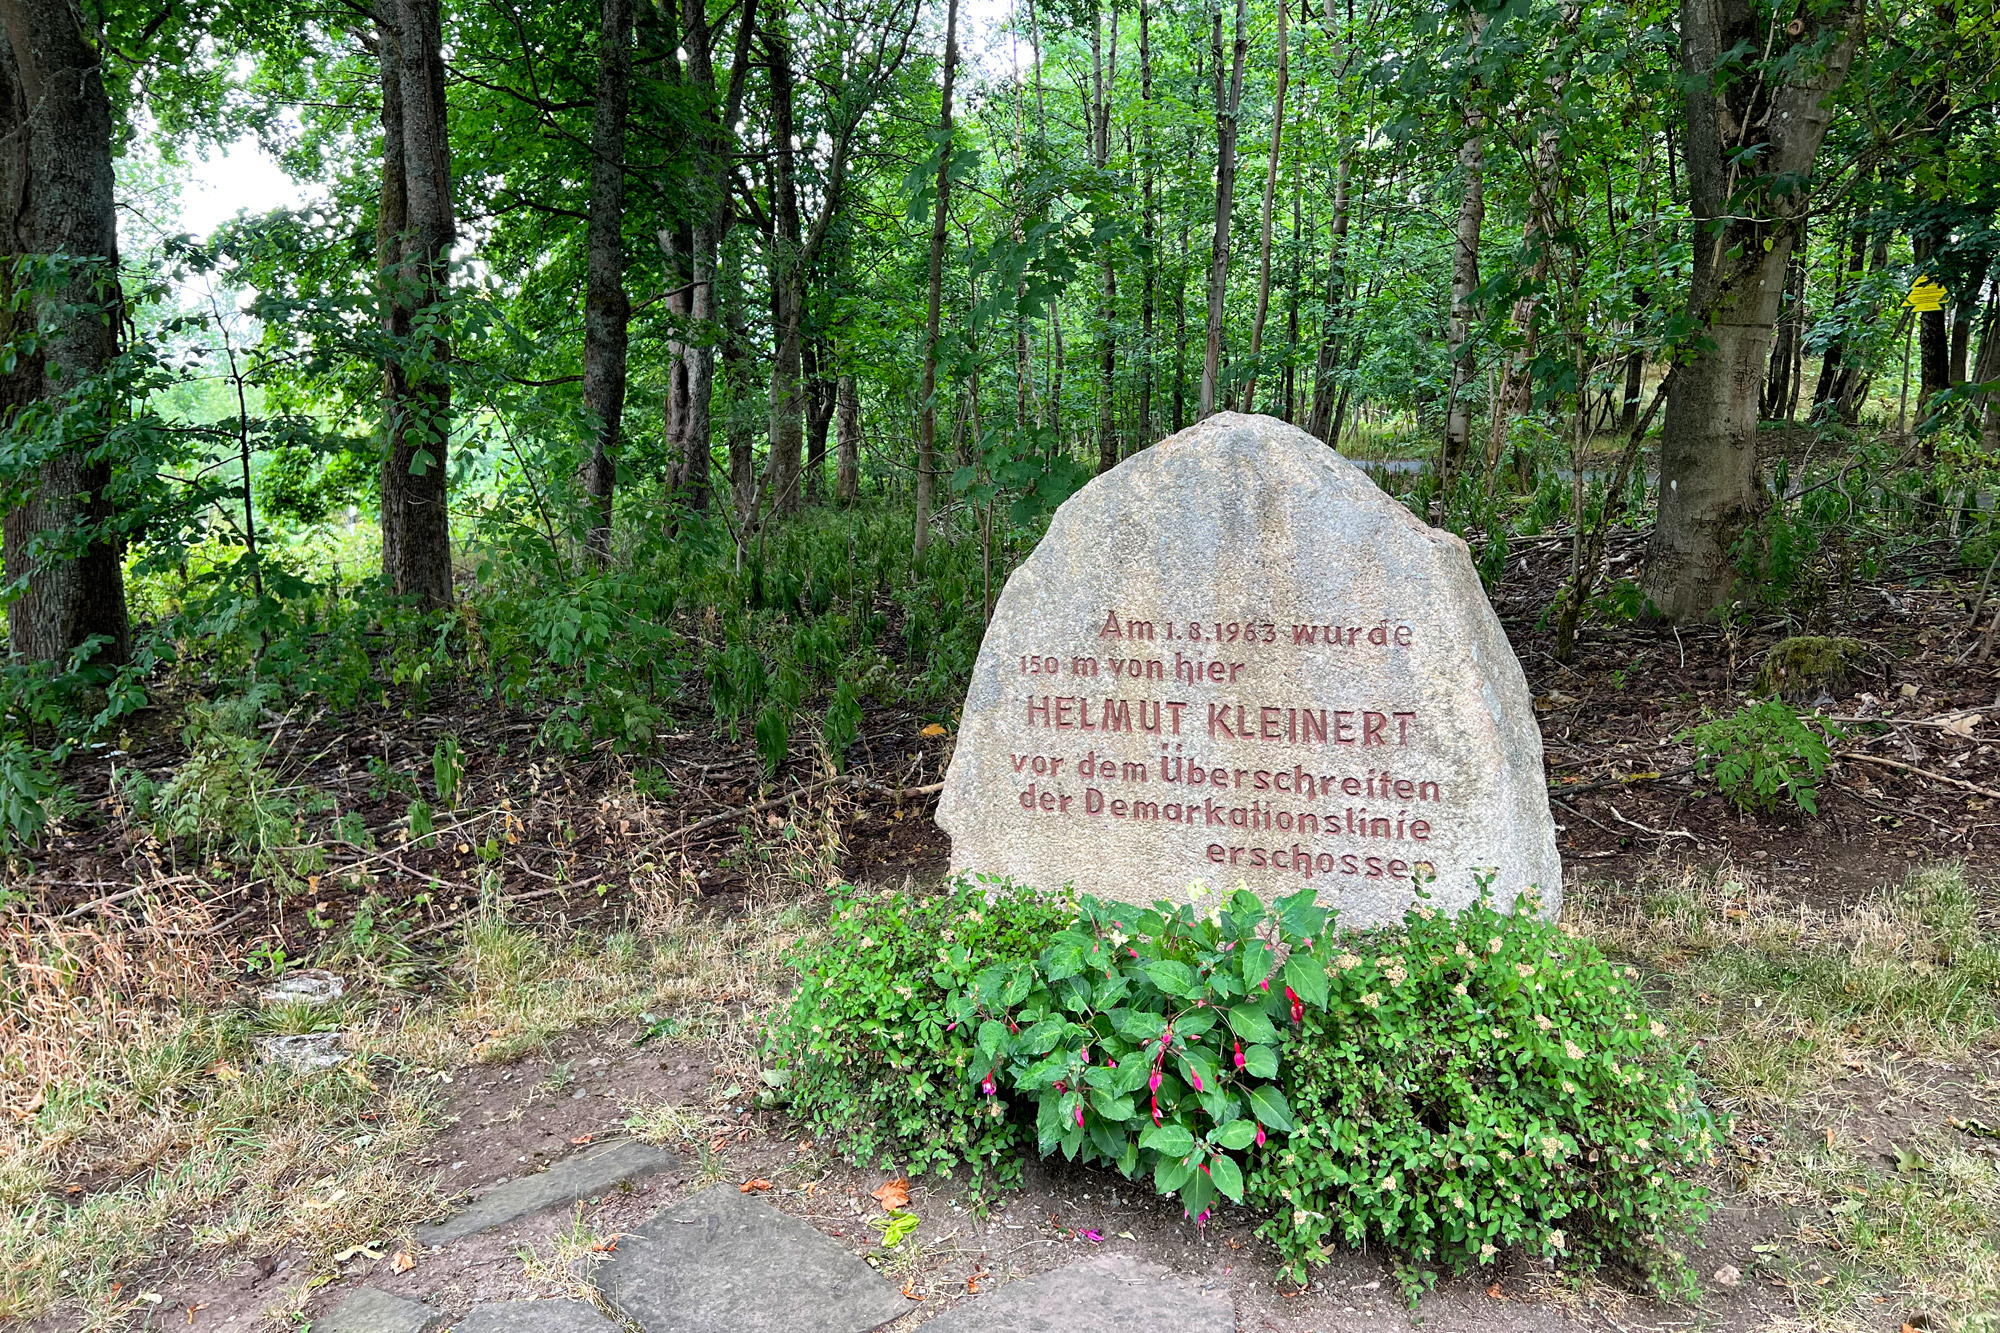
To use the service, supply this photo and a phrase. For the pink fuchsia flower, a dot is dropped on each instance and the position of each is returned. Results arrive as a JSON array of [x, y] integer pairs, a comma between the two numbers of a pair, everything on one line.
[[1085, 1053], [1260, 1136], [1153, 1084], [1240, 1061], [1265, 983], [1197, 1081], [986, 1085], [1079, 1115], [1298, 1005], [950, 1026], [1094, 1237], [1156, 1110]]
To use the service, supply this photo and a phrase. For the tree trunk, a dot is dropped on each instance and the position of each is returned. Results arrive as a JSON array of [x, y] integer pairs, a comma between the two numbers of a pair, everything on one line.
[[1709, 485], [1149, 263], [1464, 282], [1853, 252], [606, 311], [1779, 390], [1106, 82], [737, 368], [57, 155], [787, 286], [416, 523], [1988, 370], [1270, 199], [1227, 104], [927, 415], [1178, 406], [819, 415], [847, 441], [1326, 386], [676, 253]]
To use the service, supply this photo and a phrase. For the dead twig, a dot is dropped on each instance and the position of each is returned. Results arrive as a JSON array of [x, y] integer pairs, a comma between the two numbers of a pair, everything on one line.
[[1657, 833], [1960, 783]]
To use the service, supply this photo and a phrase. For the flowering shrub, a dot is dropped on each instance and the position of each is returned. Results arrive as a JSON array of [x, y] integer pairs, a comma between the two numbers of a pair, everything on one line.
[[1476, 1082], [865, 1052], [1445, 1089], [1148, 1037]]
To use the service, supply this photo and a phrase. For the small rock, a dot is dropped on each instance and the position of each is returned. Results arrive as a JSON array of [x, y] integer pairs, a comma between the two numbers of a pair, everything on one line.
[[308, 987], [1729, 1275], [304, 1051]]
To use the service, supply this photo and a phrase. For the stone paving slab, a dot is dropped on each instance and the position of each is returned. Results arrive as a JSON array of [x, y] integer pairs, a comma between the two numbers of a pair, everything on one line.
[[366, 1310], [722, 1262], [534, 1317], [1111, 1293], [567, 1181]]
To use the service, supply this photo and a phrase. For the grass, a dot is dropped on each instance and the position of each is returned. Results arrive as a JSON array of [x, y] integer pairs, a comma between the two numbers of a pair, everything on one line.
[[1856, 1046], [147, 1131], [1846, 1041]]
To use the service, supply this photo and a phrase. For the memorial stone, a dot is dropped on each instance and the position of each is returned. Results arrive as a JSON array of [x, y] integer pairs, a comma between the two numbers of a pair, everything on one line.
[[1235, 660]]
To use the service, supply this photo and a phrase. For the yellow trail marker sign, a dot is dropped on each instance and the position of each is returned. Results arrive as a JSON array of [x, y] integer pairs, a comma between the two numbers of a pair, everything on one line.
[[1927, 294]]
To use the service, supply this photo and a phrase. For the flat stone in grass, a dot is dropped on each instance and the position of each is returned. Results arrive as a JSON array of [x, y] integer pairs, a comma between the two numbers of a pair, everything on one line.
[[567, 1181], [1234, 660], [1112, 1293], [534, 1317], [366, 1310], [722, 1262]]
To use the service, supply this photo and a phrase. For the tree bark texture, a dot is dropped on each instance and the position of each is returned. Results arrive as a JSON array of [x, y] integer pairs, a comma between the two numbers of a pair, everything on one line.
[[847, 441], [56, 160], [1464, 282], [1228, 102], [788, 294], [1709, 484], [416, 522], [1104, 83], [1270, 200], [606, 311], [940, 213]]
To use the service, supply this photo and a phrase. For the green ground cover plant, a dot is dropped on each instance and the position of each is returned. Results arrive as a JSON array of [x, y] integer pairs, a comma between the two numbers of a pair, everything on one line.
[[1447, 1088]]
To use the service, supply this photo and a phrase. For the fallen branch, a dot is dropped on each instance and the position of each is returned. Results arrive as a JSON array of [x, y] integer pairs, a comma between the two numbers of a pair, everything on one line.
[[1657, 833], [1921, 772], [1625, 781]]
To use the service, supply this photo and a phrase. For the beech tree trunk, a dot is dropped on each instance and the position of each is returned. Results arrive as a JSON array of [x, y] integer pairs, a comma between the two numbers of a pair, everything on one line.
[[847, 441], [1709, 484], [56, 162], [927, 413], [606, 311], [1227, 103], [1270, 199], [416, 523]]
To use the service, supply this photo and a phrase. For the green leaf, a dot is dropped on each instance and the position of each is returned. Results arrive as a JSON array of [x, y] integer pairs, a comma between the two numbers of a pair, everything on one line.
[[1255, 963], [1139, 1024], [1018, 984], [1227, 1176], [1041, 1038], [1249, 1023], [1171, 977], [1307, 978], [1170, 1173], [1270, 1108], [992, 1038], [1260, 1061], [1237, 1134], [1169, 1140], [1198, 1193]]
